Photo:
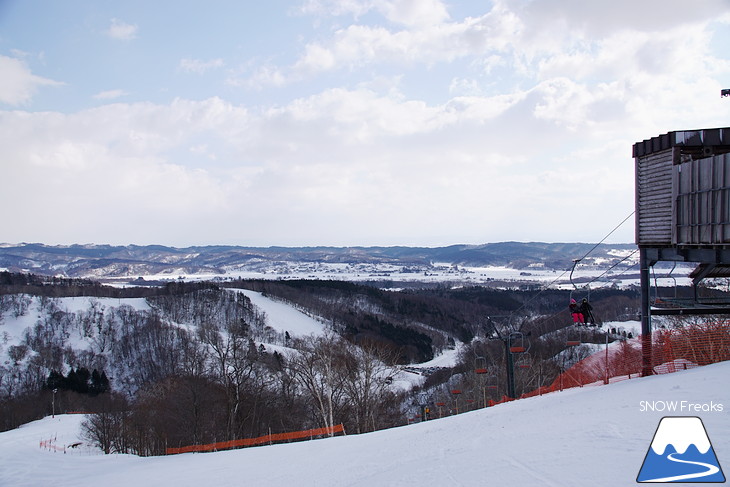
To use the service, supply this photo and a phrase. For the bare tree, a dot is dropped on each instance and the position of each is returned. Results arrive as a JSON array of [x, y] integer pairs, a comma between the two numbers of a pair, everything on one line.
[[317, 367], [105, 429], [368, 377]]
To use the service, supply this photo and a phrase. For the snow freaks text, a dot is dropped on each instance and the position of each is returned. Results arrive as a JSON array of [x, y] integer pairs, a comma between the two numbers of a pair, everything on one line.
[[682, 407]]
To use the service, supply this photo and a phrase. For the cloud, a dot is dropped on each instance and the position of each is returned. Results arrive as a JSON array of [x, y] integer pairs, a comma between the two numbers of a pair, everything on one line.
[[359, 45], [263, 77], [423, 34], [17, 83], [413, 12], [122, 31], [570, 39], [403, 12], [199, 66], [525, 133], [380, 169], [123, 163], [110, 94]]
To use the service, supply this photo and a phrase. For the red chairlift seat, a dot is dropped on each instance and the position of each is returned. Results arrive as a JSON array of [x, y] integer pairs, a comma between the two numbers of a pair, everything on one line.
[[456, 391], [480, 367], [573, 343], [518, 349]]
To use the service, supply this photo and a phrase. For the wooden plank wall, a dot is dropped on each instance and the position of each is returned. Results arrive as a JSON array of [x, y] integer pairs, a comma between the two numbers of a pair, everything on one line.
[[654, 199]]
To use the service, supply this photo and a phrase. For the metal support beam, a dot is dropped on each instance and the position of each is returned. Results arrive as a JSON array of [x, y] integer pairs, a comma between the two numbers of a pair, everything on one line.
[[510, 367], [703, 271], [644, 264], [714, 310]]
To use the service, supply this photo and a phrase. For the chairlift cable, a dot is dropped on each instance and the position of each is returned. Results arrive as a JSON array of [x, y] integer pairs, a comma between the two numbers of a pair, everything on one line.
[[614, 265], [546, 287], [608, 235]]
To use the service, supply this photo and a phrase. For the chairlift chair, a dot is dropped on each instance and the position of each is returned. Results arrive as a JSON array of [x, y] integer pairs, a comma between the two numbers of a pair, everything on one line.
[[517, 343], [524, 362], [575, 336], [481, 365]]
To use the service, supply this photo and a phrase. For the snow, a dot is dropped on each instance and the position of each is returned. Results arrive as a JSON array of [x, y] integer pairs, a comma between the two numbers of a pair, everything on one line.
[[12, 328], [83, 303], [594, 436], [283, 317], [448, 358]]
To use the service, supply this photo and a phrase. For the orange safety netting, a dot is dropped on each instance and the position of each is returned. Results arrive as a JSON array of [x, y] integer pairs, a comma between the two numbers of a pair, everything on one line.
[[261, 440], [672, 350]]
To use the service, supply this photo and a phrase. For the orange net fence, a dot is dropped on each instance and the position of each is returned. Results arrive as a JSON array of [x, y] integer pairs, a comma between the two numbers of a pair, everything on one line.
[[261, 440], [672, 350]]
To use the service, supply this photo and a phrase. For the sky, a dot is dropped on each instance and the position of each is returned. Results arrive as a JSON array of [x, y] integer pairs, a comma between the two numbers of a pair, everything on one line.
[[343, 123]]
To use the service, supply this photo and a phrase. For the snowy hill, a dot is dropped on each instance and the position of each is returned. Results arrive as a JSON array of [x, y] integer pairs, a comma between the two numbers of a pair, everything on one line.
[[282, 317], [534, 261], [594, 436]]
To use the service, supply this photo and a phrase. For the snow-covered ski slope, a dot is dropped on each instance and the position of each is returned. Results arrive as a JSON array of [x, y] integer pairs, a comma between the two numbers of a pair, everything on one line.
[[283, 317], [595, 436]]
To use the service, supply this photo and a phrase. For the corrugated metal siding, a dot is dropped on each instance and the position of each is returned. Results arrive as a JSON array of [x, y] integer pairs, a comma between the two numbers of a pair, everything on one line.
[[654, 199], [703, 201]]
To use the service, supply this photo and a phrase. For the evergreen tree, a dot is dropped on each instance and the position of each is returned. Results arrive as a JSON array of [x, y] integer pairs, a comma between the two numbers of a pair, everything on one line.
[[56, 380], [99, 383], [72, 380], [83, 375], [104, 385], [78, 380], [94, 384]]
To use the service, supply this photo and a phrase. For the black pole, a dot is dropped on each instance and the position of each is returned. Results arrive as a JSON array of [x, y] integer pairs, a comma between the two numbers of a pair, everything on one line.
[[646, 352], [510, 367]]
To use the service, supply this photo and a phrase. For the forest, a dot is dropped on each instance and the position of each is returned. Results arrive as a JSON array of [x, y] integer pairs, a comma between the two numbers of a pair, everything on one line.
[[196, 362]]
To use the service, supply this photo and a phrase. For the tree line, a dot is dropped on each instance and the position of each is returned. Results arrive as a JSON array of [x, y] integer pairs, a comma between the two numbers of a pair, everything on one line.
[[200, 364]]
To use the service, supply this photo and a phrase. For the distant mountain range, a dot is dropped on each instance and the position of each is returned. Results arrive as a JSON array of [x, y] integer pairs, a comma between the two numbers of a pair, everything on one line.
[[108, 261]]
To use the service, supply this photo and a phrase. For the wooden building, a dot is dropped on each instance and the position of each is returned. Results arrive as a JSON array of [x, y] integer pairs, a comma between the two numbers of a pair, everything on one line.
[[683, 213]]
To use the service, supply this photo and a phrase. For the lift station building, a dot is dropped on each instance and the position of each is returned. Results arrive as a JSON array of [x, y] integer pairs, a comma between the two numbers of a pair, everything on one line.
[[682, 215]]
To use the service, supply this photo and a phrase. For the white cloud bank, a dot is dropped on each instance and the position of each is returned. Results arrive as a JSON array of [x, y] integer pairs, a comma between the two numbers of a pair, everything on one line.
[[17, 83], [529, 139]]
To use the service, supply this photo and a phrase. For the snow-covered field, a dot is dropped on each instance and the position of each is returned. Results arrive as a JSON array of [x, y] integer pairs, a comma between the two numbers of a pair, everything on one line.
[[593, 276], [282, 317], [12, 326], [595, 436]]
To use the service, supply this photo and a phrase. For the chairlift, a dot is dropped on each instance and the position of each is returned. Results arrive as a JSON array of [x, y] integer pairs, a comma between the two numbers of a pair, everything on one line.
[[517, 343], [575, 288], [524, 362], [481, 365], [660, 299], [575, 336], [455, 391]]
